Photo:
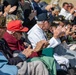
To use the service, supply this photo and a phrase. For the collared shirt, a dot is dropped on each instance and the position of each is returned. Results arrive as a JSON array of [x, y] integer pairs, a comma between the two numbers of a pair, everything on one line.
[[36, 34], [66, 14]]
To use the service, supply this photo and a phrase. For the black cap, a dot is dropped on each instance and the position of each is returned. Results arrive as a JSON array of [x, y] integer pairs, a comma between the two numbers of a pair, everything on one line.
[[54, 24], [45, 17], [59, 18]]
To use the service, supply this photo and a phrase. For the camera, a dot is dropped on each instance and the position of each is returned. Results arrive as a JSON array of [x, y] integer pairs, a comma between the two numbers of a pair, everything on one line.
[[52, 8]]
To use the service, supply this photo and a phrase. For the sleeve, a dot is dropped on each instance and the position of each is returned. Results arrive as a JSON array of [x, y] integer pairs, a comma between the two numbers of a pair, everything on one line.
[[37, 36], [54, 42], [69, 17], [35, 54], [17, 59]]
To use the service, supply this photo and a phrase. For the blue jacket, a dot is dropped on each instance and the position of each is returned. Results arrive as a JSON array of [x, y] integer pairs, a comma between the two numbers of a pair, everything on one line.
[[38, 8], [6, 69]]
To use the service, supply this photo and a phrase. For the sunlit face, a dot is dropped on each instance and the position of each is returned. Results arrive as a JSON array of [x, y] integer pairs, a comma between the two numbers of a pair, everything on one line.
[[66, 7], [17, 35]]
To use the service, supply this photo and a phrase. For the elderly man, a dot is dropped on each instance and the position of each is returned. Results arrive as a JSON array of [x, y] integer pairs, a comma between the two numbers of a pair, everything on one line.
[[21, 57], [37, 33]]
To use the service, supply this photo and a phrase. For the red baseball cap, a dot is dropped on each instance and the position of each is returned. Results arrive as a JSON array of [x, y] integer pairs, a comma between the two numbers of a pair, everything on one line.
[[16, 25]]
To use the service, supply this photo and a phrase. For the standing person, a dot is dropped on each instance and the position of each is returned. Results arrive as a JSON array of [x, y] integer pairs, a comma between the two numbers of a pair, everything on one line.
[[6, 53]]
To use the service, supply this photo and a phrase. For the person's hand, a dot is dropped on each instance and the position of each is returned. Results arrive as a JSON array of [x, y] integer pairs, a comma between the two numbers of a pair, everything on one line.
[[72, 10], [26, 44], [32, 15], [48, 7], [74, 28], [40, 45], [28, 51], [1, 13], [12, 9], [6, 9], [57, 31]]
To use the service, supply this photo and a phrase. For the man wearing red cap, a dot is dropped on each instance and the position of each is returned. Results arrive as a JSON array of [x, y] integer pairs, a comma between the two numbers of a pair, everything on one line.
[[13, 36], [21, 57]]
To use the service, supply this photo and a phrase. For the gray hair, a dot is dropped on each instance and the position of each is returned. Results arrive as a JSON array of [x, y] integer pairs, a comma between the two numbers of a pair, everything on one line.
[[39, 22]]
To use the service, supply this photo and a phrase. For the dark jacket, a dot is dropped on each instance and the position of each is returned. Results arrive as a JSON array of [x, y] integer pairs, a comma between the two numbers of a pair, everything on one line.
[[16, 45], [38, 8], [8, 54], [13, 43]]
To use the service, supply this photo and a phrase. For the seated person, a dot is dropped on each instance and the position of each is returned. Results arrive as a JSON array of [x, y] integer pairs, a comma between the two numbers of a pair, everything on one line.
[[22, 56]]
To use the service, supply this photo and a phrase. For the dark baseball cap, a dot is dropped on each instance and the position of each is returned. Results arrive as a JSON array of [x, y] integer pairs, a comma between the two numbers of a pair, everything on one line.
[[44, 17], [59, 18]]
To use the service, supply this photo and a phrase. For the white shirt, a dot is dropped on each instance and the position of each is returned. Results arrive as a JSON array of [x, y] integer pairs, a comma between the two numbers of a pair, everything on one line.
[[36, 34], [66, 14], [54, 42]]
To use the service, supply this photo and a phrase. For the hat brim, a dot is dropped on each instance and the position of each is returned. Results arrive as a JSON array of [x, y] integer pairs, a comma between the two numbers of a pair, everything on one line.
[[24, 29]]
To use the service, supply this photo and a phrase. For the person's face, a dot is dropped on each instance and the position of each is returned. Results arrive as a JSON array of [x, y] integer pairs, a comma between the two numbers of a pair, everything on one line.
[[46, 25], [17, 35], [71, 6], [53, 28], [66, 7], [2, 30], [22, 2]]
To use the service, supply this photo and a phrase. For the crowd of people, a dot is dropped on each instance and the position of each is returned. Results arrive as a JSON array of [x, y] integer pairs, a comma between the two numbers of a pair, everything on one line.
[[37, 38]]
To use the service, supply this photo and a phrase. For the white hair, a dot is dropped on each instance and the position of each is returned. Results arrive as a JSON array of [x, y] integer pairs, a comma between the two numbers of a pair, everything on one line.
[[10, 32], [39, 22]]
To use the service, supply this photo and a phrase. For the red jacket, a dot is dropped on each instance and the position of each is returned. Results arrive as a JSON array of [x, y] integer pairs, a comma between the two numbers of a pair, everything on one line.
[[15, 44]]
